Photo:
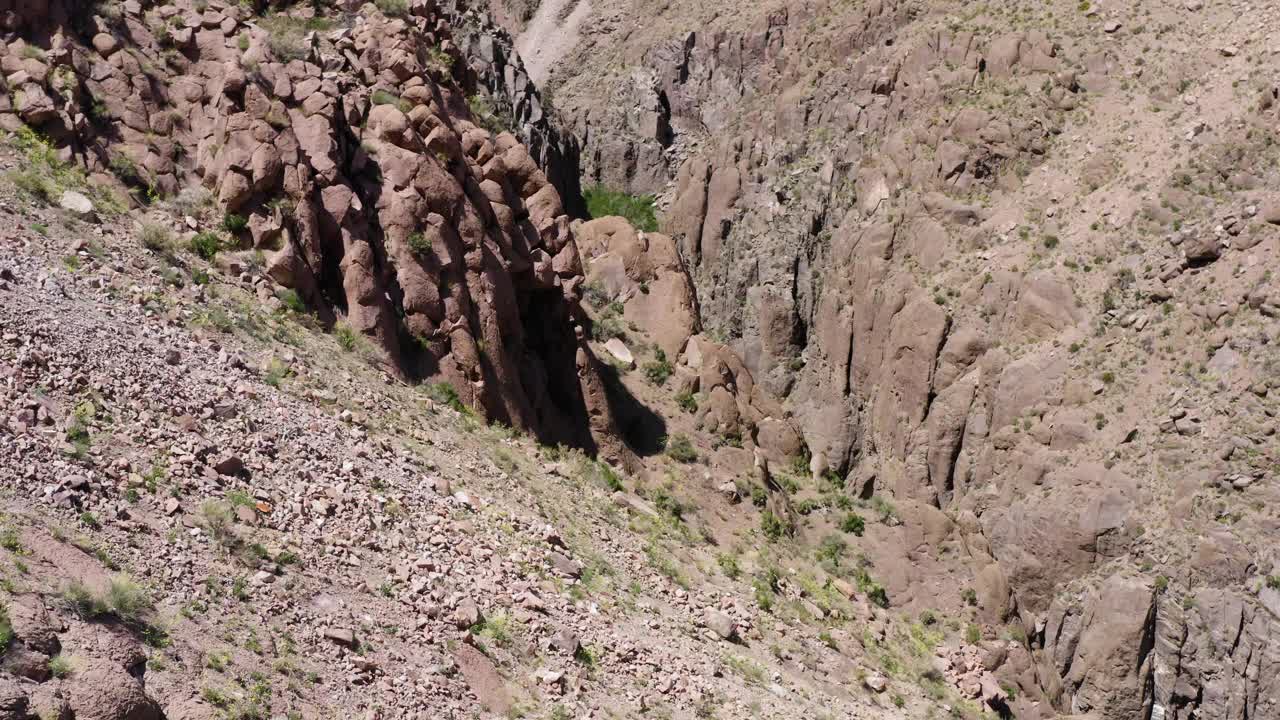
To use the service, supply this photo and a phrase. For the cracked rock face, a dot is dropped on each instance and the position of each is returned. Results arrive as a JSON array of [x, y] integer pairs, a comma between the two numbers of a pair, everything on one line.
[[350, 152], [980, 270]]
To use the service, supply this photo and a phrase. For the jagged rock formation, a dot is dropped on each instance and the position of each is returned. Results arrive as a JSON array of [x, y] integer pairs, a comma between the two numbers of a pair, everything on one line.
[[496, 69], [977, 285], [348, 146]]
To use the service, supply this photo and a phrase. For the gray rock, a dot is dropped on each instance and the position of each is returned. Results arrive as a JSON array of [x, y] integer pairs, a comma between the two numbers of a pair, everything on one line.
[[721, 624], [342, 636], [76, 203]]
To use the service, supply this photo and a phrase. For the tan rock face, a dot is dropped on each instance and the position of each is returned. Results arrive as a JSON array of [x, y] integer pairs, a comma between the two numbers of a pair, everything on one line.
[[356, 161]]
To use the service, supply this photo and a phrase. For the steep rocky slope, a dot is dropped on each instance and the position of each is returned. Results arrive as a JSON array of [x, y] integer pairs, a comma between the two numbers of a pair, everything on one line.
[[948, 387], [1014, 263]]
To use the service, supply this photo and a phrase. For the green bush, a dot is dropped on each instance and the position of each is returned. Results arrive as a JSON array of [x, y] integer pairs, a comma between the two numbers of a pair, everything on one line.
[[443, 393], [831, 550], [639, 211], [124, 598], [659, 369], [853, 523], [205, 244], [773, 526], [59, 666], [687, 401], [6, 628], [419, 244], [667, 504], [680, 449], [347, 338], [233, 223]]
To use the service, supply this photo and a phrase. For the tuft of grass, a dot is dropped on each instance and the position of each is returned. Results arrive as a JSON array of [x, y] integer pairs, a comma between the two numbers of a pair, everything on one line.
[[59, 666], [680, 449], [638, 210], [156, 238], [346, 337], [124, 598], [419, 244], [6, 628], [286, 35], [382, 97], [774, 527], [218, 517], [853, 523], [44, 176], [687, 401], [443, 393]]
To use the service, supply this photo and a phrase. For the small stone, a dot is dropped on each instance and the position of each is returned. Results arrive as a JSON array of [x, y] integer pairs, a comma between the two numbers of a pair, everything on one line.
[[172, 357], [342, 636], [566, 641], [467, 615], [875, 682], [564, 565], [229, 465], [1111, 26]]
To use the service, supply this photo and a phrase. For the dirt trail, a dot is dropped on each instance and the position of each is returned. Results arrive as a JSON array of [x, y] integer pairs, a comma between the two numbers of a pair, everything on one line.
[[550, 36]]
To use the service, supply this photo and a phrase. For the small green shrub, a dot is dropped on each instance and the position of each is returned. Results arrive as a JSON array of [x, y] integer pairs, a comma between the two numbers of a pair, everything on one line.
[[668, 505], [419, 244], [156, 238], [382, 97], [59, 666], [659, 369], [205, 245], [831, 550], [234, 223], [124, 598], [680, 449], [729, 565], [853, 523], [773, 526], [6, 628], [687, 401], [639, 211], [346, 337], [445, 394]]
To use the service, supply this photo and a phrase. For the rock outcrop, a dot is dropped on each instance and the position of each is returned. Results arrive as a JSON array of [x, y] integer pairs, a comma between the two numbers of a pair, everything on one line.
[[346, 147]]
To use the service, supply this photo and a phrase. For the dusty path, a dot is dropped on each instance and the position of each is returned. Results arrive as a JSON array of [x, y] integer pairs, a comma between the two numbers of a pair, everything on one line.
[[550, 36]]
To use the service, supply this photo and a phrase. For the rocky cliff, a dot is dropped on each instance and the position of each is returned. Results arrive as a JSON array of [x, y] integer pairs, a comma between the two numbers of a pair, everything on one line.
[[946, 387], [1014, 264], [344, 146]]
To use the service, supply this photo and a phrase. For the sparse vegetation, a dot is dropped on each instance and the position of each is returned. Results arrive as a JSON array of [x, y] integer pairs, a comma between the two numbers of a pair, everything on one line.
[[205, 244], [44, 176], [639, 211], [124, 599], [59, 666], [156, 238], [680, 449], [658, 369]]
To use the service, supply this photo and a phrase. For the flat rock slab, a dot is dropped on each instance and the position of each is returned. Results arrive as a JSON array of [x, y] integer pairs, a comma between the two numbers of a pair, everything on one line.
[[483, 679]]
